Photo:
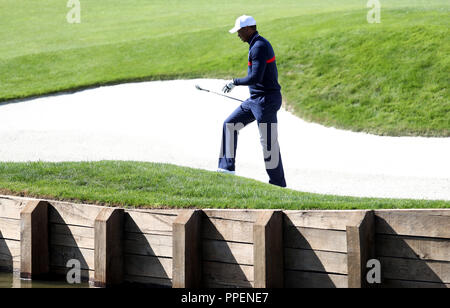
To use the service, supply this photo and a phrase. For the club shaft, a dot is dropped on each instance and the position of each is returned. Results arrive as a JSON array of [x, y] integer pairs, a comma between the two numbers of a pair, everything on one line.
[[217, 93]]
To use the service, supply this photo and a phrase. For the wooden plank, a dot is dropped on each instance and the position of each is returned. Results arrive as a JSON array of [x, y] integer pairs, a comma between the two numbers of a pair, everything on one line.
[[34, 243], [148, 266], [317, 261], [148, 244], [9, 265], [227, 230], [73, 213], [233, 214], [72, 236], [148, 280], [10, 208], [331, 220], [268, 250], [167, 212], [299, 279], [360, 249], [146, 222], [426, 224], [227, 252], [214, 284], [10, 228], [9, 250], [392, 283], [316, 239], [215, 273], [108, 248], [187, 258], [59, 255], [407, 269], [420, 248], [442, 211]]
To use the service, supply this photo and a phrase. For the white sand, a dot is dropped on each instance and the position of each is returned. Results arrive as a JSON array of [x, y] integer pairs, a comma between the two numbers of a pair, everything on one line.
[[172, 122]]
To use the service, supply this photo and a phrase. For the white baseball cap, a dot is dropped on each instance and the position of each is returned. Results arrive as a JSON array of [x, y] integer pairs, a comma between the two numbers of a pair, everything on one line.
[[243, 21]]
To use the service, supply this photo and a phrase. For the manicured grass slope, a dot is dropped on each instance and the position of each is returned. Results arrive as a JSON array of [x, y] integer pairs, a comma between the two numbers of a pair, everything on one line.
[[139, 184], [335, 68]]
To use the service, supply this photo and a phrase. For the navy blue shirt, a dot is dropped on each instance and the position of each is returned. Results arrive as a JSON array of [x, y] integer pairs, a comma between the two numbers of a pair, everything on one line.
[[262, 76]]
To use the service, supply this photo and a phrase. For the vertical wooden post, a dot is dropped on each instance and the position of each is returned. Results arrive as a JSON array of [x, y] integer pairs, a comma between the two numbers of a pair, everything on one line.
[[268, 250], [108, 248], [34, 249], [187, 267], [360, 249]]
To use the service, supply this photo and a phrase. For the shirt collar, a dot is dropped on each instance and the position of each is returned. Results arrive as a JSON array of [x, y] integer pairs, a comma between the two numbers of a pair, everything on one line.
[[253, 37]]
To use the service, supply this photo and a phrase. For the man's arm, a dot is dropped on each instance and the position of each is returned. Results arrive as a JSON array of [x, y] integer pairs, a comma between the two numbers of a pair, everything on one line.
[[258, 58]]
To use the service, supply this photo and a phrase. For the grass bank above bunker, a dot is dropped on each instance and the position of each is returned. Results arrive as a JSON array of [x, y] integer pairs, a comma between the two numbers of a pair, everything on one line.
[[153, 185], [335, 68]]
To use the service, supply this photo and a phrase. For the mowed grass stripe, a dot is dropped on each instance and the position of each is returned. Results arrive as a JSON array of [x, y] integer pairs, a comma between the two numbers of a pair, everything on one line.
[[335, 68]]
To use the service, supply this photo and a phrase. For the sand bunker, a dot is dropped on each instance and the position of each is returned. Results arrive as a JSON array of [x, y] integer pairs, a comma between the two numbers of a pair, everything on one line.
[[173, 122]]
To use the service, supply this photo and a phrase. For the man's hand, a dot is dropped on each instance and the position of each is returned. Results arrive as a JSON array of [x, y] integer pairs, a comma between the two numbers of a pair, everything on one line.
[[228, 87]]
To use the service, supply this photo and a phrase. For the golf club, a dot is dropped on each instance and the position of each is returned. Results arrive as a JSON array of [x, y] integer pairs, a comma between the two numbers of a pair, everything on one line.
[[202, 89]]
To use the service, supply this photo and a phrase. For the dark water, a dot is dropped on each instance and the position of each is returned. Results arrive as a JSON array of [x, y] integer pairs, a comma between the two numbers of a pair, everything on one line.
[[12, 280]]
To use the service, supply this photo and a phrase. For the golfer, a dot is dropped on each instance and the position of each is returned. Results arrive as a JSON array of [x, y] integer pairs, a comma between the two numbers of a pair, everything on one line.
[[262, 106]]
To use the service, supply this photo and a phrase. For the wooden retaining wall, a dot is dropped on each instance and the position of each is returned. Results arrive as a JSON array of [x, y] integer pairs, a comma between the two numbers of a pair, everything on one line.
[[230, 248], [148, 246], [227, 248], [315, 248], [414, 247], [71, 236], [10, 233]]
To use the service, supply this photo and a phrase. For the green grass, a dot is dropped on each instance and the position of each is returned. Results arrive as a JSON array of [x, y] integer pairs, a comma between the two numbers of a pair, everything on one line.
[[335, 68], [149, 185]]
